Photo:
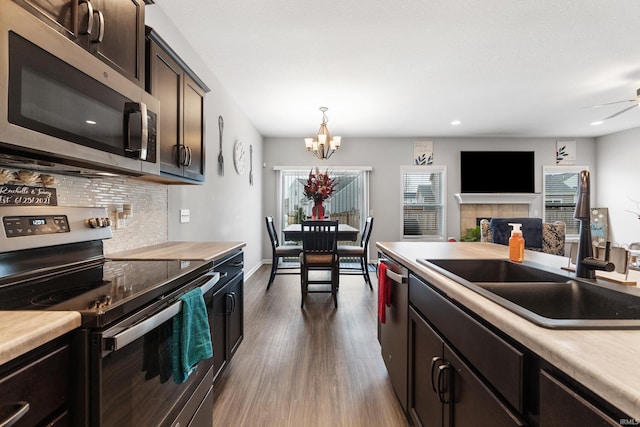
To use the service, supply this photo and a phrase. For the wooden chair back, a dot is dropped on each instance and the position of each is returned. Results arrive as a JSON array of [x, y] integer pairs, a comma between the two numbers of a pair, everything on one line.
[[271, 229], [366, 233], [320, 237]]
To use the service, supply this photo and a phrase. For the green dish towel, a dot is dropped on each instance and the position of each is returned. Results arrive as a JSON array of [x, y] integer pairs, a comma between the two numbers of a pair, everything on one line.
[[191, 336]]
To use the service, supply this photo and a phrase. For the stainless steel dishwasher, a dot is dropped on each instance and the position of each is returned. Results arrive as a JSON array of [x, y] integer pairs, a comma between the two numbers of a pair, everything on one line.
[[393, 333]]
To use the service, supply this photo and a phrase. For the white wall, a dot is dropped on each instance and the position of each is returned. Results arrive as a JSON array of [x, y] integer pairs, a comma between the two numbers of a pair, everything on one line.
[[386, 155], [225, 208], [618, 183]]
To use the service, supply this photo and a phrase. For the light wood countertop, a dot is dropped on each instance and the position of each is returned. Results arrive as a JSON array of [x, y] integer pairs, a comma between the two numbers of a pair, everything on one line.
[[201, 251], [23, 331], [605, 361]]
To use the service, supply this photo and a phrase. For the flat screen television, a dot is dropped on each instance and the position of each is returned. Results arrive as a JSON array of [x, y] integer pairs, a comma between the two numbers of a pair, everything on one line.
[[497, 172]]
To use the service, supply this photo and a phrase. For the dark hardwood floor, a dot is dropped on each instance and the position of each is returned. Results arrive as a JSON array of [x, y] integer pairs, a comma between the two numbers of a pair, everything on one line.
[[316, 366]]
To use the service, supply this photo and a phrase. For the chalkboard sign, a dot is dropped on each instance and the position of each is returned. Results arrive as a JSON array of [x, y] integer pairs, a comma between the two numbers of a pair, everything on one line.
[[24, 195]]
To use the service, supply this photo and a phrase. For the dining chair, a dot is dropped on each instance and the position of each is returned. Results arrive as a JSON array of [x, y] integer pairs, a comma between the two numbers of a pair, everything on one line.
[[319, 253], [279, 252], [359, 252]]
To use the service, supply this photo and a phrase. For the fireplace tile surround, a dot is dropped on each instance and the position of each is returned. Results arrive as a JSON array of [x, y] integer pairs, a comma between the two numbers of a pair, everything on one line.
[[475, 206], [469, 213]]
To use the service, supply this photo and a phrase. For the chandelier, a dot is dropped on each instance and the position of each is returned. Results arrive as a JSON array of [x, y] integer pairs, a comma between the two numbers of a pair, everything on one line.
[[323, 146]]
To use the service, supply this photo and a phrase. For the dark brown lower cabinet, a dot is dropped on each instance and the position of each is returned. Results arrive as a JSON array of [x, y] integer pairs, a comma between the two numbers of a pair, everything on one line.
[[35, 389], [562, 406], [471, 402], [425, 407], [443, 390], [228, 311], [465, 372]]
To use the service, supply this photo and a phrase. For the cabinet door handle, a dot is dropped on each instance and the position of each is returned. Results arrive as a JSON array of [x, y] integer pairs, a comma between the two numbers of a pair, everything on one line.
[[434, 361], [21, 410], [229, 298], [188, 162], [234, 299], [182, 155], [442, 381], [89, 17], [100, 36]]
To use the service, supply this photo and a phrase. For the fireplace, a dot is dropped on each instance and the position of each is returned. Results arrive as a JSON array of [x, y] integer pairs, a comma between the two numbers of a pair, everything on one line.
[[474, 207]]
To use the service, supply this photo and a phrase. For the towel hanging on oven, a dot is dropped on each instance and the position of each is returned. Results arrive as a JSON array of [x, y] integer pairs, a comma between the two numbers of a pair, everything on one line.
[[191, 336]]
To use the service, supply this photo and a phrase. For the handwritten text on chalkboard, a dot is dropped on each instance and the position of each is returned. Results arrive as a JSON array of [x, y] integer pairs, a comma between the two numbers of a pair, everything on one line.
[[22, 195]]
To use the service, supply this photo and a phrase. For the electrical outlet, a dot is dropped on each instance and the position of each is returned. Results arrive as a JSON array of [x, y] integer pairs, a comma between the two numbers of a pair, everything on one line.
[[185, 216]]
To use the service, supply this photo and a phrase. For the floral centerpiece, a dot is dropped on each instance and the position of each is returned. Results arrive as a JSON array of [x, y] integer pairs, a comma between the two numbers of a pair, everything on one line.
[[318, 188]]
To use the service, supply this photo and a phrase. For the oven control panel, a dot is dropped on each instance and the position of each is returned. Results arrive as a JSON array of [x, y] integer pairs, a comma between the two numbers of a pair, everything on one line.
[[29, 227], [17, 226]]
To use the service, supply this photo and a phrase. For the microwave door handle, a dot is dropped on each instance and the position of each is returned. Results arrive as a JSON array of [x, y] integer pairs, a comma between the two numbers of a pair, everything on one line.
[[126, 337], [145, 131], [137, 107]]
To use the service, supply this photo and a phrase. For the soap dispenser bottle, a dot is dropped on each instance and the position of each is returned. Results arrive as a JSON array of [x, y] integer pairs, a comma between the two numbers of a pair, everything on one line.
[[516, 244]]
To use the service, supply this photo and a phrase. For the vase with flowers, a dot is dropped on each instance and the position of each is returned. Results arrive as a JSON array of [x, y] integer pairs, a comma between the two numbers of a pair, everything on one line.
[[318, 188]]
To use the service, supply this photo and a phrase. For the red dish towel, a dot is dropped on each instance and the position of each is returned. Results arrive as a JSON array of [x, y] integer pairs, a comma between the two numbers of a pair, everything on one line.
[[384, 292]]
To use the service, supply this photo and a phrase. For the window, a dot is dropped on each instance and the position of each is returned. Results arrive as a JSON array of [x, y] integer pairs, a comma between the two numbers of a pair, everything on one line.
[[349, 203], [423, 202], [560, 185]]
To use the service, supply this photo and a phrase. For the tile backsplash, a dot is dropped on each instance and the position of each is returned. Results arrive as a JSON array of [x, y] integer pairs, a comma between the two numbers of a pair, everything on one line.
[[148, 223]]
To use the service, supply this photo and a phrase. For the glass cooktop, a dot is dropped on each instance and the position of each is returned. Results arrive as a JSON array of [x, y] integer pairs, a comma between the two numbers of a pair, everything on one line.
[[95, 290]]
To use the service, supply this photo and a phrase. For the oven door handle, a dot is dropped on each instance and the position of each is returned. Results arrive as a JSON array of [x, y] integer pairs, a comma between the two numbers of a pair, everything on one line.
[[129, 335]]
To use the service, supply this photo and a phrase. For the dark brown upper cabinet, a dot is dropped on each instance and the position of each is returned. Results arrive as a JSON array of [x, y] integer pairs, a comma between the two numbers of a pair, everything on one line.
[[112, 30], [182, 124]]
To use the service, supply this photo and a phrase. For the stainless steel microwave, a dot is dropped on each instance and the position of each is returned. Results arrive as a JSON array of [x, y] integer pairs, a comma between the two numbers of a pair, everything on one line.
[[60, 103]]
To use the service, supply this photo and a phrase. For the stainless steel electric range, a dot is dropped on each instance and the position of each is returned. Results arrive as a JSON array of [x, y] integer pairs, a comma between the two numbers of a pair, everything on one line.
[[52, 258]]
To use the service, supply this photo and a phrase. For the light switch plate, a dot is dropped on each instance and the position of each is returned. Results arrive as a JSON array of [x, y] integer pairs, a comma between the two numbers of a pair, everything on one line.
[[185, 216]]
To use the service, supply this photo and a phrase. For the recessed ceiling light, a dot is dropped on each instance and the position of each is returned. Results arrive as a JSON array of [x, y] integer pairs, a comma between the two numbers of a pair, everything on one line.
[[456, 122], [598, 123], [90, 122]]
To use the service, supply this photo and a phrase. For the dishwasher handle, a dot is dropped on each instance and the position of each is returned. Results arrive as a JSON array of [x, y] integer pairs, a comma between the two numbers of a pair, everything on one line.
[[398, 278], [402, 277], [129, 335]]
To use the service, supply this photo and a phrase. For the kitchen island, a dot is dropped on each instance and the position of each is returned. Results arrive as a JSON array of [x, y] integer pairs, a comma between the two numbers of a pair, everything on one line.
[[604, 362]]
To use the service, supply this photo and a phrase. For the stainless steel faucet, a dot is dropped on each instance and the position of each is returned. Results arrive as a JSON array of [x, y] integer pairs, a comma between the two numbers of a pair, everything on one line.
[[586, 264]]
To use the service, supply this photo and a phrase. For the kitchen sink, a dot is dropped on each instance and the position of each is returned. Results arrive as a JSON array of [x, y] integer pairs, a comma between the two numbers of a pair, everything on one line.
[[496, 270], [552, 300]]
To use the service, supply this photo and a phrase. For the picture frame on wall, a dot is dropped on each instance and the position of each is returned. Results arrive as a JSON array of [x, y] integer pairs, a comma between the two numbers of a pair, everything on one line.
[[422, 153], [565, 152]]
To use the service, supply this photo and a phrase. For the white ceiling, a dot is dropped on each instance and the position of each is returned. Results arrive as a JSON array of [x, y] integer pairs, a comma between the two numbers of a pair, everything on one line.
[[409, 67]]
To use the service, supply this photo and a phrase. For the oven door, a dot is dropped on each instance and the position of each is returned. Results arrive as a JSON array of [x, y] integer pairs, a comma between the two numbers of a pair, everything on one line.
[[131, 381]]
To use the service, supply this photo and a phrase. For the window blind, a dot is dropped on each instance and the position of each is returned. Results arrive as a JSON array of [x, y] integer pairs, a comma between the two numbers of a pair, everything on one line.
[[423, 207]]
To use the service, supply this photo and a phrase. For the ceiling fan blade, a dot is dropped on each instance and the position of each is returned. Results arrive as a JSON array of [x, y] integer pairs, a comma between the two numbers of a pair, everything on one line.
[[620, 112], [611, 103]]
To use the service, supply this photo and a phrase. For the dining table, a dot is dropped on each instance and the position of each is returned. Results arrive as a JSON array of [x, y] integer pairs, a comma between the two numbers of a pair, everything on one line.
[[293, 233]]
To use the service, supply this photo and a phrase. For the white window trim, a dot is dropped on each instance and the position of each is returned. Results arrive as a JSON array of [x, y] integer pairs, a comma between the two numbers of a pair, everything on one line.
[[280, 190], [559, 169], [426, 169]]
